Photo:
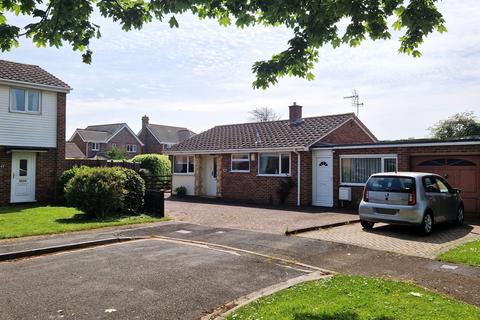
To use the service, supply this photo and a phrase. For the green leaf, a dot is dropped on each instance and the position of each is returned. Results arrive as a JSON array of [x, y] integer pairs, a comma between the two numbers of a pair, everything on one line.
[[173, 22]]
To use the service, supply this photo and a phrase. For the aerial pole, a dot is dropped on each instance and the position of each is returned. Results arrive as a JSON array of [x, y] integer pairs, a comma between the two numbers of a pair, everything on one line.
[[355, 100]]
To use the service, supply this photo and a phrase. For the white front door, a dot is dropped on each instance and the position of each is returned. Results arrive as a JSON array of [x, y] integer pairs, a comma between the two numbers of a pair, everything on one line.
[[23, 177], [323, 179], [210, 176]]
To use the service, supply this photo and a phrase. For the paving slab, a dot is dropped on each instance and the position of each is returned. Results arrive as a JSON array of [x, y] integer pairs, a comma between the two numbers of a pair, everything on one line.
[[399, 239], [267, 219]]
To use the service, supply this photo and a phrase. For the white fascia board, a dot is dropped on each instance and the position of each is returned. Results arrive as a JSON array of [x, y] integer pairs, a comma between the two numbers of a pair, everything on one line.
[[237, 151], [35, 86], [129, 130], [400, 145]]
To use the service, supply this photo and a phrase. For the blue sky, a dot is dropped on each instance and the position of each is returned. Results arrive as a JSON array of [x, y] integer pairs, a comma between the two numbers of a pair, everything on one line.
[[199, 76]]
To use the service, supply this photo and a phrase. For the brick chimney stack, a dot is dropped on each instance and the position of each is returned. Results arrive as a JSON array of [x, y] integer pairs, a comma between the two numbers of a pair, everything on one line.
[[145, 121], [295, 113]]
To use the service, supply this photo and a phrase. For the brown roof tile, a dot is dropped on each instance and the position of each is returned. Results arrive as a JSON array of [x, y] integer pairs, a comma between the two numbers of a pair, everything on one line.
[[21, 72], [262, 135]]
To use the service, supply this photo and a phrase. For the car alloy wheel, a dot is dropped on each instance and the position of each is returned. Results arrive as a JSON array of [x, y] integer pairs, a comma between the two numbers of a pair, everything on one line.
[[460, 216], [367, 225], [427, 224]]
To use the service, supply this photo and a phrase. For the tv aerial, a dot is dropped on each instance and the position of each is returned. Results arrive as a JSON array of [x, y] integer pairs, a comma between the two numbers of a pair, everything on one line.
[[355, 100]]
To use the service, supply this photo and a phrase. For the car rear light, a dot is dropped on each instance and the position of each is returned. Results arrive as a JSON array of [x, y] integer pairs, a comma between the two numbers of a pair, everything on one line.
[[412, 198], [365, 195]]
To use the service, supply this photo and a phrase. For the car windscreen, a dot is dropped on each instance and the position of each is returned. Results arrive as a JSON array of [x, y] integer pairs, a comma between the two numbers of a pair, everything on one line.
[[391, 184]]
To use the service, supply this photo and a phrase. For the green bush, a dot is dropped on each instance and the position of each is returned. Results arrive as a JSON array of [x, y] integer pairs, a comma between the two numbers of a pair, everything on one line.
[[66, 176], [156, 164], [135, 187], [284, 189], [181, 191], [116, 154], [97, 191]]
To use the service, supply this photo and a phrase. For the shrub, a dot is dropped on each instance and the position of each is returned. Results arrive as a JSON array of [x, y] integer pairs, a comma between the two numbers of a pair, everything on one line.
[[181, 191], [66, 176], [156, 164], [97, 191], [116, 154], [284, 189], [135, 191]]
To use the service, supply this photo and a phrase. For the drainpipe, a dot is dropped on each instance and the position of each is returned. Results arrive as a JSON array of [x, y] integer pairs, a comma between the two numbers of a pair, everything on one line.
[[298, 178]]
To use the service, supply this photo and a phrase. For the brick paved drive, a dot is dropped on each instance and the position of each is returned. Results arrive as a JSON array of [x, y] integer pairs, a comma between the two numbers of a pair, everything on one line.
[[399, 239], [263, 219]]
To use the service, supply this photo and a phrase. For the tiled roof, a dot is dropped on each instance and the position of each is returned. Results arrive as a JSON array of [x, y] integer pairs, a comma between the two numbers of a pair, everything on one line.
[[13, 71], [72, 151], [170, 134], [263, 135], [110, 128], [93, 136]]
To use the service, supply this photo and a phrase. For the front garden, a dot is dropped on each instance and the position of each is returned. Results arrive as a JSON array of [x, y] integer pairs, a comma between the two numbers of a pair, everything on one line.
[[356, 298], [468, 253]]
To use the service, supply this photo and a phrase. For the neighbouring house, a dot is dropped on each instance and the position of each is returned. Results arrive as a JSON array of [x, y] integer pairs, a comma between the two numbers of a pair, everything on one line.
[[72, 151], [94, 141], [157, 138], [329, 158], [32, 132]]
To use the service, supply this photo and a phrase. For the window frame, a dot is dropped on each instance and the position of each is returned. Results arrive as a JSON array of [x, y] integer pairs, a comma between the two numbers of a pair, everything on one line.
[[134, 149], [190, 158], [279, 154], [365, 156], [239, 160], [25, 93], [97, 146]]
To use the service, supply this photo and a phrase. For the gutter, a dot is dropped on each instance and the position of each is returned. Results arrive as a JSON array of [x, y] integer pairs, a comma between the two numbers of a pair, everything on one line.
[[222, 151], [398, 145], [40, 86]]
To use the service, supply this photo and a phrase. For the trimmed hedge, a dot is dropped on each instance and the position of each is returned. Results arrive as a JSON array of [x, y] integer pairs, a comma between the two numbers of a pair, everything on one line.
[[66, 176], [100, 192], [156, 164]]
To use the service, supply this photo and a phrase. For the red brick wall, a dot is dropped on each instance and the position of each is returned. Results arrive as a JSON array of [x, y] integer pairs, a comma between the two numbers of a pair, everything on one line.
[[249, 187], [5, 176], [80, 144], [404, 155], [348, 133], [151, 144], [123, 138]]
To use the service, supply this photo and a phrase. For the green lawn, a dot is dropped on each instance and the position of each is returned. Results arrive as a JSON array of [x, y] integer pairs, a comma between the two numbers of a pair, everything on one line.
[[356, 298], [20, 222], [468, 253]]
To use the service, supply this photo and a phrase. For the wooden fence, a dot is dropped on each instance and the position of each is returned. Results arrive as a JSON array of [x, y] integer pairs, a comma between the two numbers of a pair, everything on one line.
[[69, 163], [158, 183]]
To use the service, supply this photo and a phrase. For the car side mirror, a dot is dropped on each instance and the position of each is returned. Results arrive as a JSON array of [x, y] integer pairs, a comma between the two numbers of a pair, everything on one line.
[[456, 191]]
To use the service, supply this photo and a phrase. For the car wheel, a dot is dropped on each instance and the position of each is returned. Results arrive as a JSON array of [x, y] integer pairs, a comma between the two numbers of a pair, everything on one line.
[[460, 216], [427, 224], [367, 225]]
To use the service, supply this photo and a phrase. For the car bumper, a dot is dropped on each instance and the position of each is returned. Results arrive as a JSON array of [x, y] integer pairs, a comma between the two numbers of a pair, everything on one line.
[[407, 215]]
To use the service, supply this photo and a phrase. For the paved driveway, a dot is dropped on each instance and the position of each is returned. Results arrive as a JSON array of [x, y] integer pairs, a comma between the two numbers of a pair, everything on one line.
[[146, 279], [399, 239], [275, 220]]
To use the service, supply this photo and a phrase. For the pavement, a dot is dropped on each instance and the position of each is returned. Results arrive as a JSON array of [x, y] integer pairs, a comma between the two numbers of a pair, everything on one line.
[[267, 219], [142, 279], [399, 239]]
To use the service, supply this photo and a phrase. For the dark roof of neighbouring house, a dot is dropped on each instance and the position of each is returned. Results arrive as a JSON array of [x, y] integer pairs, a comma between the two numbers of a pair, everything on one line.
[[72, 151], [400, 142], [103, 132], [264, 135], [27, 73], [170, 134]]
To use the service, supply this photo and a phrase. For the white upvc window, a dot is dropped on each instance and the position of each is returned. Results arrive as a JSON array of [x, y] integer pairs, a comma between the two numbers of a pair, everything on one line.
[[95, 146], [184, 164], [240, 162], [25, 101], [274, 164], [131, 148], [356, 169]]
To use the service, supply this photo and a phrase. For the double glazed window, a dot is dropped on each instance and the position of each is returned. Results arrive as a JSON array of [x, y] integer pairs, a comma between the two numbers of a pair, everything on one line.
[[95, 146], [240, 162], [131, 148], [22, 100], [357, 169], [277, 164], [183, 164]]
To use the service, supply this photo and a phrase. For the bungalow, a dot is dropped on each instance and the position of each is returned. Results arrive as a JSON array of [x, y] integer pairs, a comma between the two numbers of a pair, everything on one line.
[[32, 132], [328, 158]]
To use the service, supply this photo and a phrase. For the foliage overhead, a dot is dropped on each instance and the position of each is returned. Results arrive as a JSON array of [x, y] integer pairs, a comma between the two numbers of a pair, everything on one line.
[[263, 114], [460, 125], [116, 154], [314, 23]]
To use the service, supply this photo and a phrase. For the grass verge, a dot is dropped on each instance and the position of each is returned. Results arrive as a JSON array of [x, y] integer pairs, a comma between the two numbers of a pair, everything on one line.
[[356, 298], [468, 253], [18, 222]]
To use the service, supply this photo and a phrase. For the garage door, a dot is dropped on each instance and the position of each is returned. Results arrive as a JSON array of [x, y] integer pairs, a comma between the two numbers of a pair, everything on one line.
[[462, 172]]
